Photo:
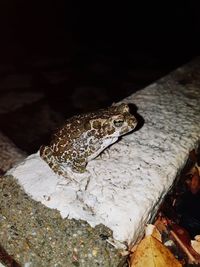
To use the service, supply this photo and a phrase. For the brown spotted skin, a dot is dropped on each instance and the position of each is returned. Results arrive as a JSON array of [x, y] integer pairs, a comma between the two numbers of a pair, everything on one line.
[[84, 137]]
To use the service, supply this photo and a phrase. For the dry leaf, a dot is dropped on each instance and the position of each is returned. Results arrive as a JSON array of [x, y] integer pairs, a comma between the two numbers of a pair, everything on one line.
[[196, 246], [182, 233], [197, 238], [153, 231], [152, 253], [182, 238], [133, 248], [161, 224]]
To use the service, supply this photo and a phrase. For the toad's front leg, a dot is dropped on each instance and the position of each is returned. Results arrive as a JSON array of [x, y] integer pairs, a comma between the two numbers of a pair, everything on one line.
[[79, 165], [47, 155]]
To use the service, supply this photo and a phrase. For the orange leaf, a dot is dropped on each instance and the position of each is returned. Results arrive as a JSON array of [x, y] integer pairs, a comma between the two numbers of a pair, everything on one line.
[[152, 253], [153, 231]]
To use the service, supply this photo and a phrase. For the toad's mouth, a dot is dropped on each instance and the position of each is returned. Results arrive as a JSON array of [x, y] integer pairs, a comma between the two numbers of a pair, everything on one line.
[[126, 130]]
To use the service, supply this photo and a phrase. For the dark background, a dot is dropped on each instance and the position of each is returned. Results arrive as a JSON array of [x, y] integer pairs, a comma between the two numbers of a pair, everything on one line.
[[54, 28], [82, 56]]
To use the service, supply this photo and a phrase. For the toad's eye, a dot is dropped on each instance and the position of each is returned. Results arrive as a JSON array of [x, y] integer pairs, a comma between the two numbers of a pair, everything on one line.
[[118, 123]]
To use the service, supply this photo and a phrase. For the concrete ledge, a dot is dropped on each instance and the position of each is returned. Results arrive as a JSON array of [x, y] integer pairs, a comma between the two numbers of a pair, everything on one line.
[[124, 187]]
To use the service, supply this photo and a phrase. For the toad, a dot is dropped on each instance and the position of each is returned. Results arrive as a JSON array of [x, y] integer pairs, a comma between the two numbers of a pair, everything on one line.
[[83, 137]]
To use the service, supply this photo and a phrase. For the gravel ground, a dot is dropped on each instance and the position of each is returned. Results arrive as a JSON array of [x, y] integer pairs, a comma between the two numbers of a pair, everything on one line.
[[35, 235]]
